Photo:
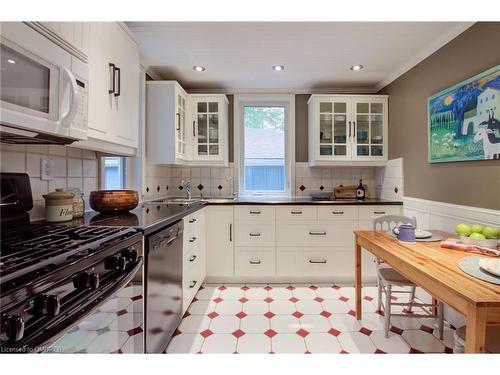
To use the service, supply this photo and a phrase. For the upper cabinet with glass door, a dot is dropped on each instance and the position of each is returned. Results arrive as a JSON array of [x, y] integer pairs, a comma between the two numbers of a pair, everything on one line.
[[347, 130], [209, 127]]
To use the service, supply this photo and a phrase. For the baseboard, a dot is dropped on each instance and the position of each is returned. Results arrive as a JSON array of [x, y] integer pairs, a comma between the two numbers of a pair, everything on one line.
[[369, 281]]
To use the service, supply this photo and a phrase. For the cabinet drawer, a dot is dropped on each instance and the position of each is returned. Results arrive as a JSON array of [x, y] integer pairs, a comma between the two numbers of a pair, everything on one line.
[[254, 234], [337, 213], [296, 213], [193, 222], [321, 262], [254, 213], [316, 234], [371, 212], [192, 275], [191, 241], [249, 262]]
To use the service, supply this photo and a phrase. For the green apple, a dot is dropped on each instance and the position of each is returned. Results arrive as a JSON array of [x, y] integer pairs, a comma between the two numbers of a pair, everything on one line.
[[478, 228], [477, 236], [491, 232], [463, 229]]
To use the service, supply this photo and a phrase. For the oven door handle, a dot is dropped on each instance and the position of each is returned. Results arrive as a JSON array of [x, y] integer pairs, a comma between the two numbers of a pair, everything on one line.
[[68, 118]]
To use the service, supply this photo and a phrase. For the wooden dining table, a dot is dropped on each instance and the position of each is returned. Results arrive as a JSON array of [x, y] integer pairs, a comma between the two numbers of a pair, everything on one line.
[[436, 270]]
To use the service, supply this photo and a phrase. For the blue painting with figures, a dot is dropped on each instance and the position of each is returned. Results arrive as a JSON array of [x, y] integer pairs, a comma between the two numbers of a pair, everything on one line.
[[463, 120]]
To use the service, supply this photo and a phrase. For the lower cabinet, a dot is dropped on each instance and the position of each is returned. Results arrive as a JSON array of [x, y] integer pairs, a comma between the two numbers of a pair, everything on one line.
[[219, 241], [251, 262]]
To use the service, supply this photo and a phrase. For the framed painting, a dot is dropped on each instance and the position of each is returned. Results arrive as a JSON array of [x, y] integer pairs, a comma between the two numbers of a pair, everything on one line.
[[463, 120]]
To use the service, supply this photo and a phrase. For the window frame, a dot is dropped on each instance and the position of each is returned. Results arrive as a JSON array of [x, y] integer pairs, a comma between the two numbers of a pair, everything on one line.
[[264, 100], [124, 170]]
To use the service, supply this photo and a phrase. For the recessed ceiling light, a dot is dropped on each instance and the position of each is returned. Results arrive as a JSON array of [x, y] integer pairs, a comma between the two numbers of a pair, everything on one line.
[[11, 61], [278, 68], [357, 67], [198, 68]]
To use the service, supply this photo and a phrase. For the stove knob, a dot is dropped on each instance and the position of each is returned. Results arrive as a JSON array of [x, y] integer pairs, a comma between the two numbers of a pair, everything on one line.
[[86, 280], [130, 254], [49, 305], [14, 328], [115, 263]]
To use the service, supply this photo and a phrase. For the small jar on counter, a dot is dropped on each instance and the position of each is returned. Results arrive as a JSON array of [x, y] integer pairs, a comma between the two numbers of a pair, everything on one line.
[[58, 206], [78, 203]]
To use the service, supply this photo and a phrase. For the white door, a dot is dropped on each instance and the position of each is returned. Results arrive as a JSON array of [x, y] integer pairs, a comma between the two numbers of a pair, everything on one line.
[[369, 117], [207, 129], [333, 128], [219, 241]]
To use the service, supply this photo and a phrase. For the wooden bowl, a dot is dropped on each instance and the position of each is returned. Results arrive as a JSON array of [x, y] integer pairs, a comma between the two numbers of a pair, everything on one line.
[[114, 200]]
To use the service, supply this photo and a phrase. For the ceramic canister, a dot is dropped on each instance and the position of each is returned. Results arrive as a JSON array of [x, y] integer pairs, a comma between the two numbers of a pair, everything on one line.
[[406, 233], [58, 206]]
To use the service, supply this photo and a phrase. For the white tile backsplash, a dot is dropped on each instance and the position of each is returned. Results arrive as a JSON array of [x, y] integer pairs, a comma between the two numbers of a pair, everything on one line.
[[71, 167], [389, 180]]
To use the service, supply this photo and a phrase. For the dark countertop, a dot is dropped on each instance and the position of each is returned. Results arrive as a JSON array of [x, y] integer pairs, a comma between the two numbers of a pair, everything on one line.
[[154, 215]]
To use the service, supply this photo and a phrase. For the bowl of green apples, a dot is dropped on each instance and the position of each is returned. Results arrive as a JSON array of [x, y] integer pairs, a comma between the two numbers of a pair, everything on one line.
[[479, 235]]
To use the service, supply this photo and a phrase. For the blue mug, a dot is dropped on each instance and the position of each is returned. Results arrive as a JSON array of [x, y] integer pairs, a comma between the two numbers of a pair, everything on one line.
[[406, 233]]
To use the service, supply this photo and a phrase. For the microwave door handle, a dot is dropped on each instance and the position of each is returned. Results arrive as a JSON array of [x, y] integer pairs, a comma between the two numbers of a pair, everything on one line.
[[68, 118]]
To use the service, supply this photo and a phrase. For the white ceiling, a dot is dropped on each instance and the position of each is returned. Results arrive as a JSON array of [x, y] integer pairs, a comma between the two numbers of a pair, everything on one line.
[[238, 56]]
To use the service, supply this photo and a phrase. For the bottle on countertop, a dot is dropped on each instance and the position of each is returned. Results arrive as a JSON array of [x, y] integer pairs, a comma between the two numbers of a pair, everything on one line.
[[360, 191]]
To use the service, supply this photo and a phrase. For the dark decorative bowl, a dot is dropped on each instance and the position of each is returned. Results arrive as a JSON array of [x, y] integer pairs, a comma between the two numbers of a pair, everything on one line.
[[114, 200]]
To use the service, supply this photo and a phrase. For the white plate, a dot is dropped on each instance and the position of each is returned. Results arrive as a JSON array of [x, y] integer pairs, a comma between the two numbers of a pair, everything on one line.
[[490, 265], [419, 233]]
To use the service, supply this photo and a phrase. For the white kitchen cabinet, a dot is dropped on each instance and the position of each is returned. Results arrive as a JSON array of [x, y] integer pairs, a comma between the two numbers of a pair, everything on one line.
[[347, 130], [74, 35], [219, 241], [113, 125], [185, 128]]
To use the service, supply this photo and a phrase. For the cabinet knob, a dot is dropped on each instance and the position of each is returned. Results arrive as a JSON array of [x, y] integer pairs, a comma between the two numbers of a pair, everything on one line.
[[14, 327]]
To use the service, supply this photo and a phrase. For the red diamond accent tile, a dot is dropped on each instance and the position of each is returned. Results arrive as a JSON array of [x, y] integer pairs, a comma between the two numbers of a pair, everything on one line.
[[121, 312], [378, 351], [293, 299], [415, 351], [119, 351], [269, 314], [334, 332], [326, 314], [268, 300], [241, 315], [218, 299], [406, 311], [302, 332], [238, 333], [336, 287], [134, 331], [213, 315], [272, 353], [368, 298], [270, 333], [297, 314], [426, 329], [268, 287], [352, 312], [448, 350], [236, 353], [201, 287], [177, 332], [243, 300], [222, 287], [156, 330], [200, 352], [397, 330], [319, 299], [244, 287], [135, 298], [343, 299], [308, 352], [396, 190], [313, 287], [206, 333], [290, 287], [380, 312], [344, 352], [365, 331]]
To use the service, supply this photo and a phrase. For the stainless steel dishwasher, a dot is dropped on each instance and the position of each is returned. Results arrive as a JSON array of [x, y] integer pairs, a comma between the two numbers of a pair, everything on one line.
[[163, 286]]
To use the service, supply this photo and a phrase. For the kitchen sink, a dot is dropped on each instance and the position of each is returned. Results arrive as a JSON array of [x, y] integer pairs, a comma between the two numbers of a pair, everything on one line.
[[218, 200]]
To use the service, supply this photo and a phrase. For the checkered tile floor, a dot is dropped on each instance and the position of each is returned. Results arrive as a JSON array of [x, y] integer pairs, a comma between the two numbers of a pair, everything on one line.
[[298, 319]]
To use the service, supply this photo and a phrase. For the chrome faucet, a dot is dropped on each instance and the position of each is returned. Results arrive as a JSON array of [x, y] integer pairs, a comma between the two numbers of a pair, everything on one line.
[[186, 185]]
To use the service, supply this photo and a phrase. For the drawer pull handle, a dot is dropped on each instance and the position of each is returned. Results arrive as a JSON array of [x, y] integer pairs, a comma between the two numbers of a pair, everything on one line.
[[254, 234], [255, 262], [255, 212], [338, 212], [191, 221], [192, 239], [192, 258], [193, 284], [317, 233], [323, 261], [296, 212], [379, 212]]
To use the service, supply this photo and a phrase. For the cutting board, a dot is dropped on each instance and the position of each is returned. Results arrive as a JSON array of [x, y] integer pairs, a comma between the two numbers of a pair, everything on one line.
[[348, 191]]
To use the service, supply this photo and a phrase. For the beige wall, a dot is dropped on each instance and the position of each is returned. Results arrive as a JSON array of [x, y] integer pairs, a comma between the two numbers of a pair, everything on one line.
[[475, 183]]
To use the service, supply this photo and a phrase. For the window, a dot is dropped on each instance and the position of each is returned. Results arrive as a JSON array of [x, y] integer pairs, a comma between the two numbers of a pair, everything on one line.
[[264, 144], [113, 170]]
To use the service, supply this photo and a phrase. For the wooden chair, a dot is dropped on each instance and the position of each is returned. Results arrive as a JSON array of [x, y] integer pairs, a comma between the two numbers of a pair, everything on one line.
[[388, 277]]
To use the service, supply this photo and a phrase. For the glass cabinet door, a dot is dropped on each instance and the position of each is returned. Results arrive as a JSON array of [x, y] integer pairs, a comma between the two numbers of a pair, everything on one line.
[[368, 127], [333, 130], [207, 132], [181, 125]]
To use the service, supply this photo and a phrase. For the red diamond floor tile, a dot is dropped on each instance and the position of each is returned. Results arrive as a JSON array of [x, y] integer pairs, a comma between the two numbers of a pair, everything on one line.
[[135, 298], [241, 315], [344, 352], [415, 351], [448, 350], [365, 331], [326, 314], [313, 287], [270, 333], [245, 288], [302, 332], [290, 287], [268, 288], [298, 314], [397, 330], [293, 299], [268, 300], [213, 315], [336, 287], [334, 332], [352, 312], [378, 351], [343, 299], [368, 298], [134, 331], [206, 333], [426, 329], [319, 299], [243, 300], [238, 333], [269, 314], [222, 287], [176, 332], [218, 300]]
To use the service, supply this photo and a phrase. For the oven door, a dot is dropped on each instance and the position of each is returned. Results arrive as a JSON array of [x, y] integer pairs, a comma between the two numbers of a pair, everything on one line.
[[38, 90]]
